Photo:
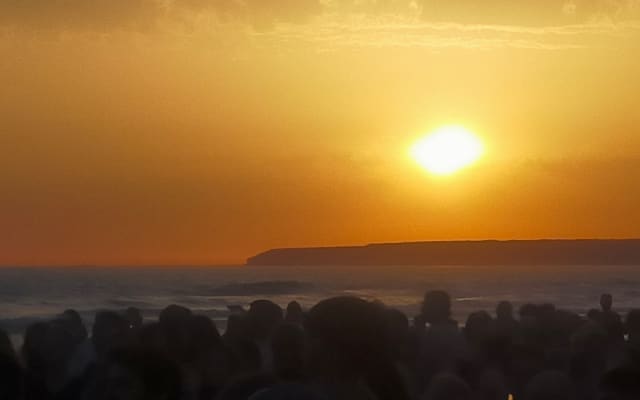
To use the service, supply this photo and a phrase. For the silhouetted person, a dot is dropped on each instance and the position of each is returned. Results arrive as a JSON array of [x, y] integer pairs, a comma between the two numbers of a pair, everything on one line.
[[206, 361], [478, 328], [237, 328], [348, 347], [505, 322], [436, 308], [174, 321], [606, 302], [83, 354], [262, 318], [47, 350], [610, 320], [589, 346], [288, 348], [442, 345]]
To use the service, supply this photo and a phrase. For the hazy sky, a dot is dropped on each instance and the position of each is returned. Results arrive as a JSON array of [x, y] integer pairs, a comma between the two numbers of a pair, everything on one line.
[[203, 131]]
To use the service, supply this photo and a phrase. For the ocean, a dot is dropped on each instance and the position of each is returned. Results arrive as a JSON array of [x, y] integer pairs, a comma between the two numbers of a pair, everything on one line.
[[28, 294]]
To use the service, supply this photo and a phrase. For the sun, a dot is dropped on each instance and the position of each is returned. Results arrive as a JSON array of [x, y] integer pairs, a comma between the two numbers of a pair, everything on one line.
[[447, 150]]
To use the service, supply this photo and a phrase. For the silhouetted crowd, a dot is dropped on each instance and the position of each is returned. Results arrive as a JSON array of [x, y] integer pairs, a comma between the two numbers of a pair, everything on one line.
[[342, 348]]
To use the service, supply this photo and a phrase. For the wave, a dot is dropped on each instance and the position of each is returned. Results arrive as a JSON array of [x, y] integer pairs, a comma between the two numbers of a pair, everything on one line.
[[262, 288]]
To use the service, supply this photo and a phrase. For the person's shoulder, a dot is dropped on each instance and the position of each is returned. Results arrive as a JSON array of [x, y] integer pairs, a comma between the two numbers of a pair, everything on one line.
[[448, 329], [612, 316]]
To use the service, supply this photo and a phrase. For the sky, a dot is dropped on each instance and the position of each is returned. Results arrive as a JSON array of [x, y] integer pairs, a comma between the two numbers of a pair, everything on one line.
[[157, 132]]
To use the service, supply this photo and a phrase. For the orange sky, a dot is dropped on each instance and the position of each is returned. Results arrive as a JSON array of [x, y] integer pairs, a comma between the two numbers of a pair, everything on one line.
[[202, 132]]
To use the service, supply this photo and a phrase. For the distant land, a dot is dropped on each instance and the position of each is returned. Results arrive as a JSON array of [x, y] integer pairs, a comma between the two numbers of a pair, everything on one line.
[[486, 252]]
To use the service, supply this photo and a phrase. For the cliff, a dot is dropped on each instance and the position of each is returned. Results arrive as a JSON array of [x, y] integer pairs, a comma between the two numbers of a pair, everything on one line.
[[490, 252]]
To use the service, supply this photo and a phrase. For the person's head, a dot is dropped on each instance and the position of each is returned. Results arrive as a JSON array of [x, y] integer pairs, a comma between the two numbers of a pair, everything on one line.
[[549, 385], [606, 302], [504, 311], [346, 336], [263, 317], [73, 322], [478, 326], [294, 313], [174, 316], [447, 387], [436, 306]]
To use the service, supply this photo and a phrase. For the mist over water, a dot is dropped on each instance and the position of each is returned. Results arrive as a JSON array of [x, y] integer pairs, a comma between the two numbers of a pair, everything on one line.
[[28, 294]]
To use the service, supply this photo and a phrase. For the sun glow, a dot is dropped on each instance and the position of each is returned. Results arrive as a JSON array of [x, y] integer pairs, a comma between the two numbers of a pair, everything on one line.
[[447, 150]]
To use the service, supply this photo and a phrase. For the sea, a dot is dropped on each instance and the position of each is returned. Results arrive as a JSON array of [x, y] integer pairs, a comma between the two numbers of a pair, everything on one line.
[[29, 294]]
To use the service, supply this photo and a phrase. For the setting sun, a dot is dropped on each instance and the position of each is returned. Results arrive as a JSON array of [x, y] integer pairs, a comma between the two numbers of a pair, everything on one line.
[[447, 150]]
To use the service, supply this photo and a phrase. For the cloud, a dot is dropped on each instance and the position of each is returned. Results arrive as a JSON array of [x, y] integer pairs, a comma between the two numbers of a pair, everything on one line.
[[78, 14], [408, 33], [103, 15], [328, 25], [529, 13]]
